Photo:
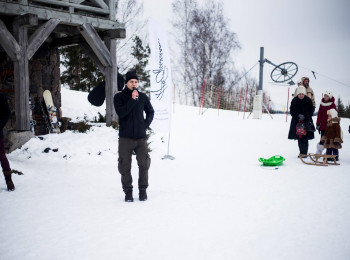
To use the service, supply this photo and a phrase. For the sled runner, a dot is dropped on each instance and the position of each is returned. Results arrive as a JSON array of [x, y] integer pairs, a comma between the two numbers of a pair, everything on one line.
[[325, 159]]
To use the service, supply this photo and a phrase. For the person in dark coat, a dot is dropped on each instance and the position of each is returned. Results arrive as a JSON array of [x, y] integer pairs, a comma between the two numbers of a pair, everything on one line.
[[5, 114], [301, 110], [130, 104]]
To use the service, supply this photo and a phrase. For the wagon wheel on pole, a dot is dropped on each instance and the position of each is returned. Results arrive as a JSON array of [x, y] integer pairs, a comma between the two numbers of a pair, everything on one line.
[[284, 72]]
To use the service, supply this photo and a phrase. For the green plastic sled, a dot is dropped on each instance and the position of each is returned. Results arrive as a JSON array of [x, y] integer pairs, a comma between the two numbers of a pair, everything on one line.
[[272, 161]]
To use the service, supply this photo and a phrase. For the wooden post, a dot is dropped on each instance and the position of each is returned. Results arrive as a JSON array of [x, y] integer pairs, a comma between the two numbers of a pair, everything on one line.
[[20, 50], [112, 10], [21, 80], [111, 78]]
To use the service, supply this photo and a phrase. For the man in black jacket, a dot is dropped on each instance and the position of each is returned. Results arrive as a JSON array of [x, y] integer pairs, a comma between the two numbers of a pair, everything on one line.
[[4, 117], [130, 105]]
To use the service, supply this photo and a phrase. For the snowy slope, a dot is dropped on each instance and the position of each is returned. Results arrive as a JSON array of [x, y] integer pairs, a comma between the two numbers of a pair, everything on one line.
[[214, 201]]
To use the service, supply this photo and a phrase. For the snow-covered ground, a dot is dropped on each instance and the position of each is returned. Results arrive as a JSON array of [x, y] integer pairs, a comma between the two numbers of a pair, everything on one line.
[[214, 201]]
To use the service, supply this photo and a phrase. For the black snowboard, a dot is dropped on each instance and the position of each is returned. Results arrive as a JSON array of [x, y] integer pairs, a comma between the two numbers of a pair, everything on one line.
[[98, 95]]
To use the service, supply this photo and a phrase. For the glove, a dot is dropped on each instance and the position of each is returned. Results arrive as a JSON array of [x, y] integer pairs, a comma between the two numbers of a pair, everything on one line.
[[336, 143], [321, 142], [301, 117], [318, 128]]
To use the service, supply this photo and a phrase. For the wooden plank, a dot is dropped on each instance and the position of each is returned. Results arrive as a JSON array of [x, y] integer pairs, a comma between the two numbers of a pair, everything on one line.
[[86, 47], [39, 36], [101, 4], [113, 34], [77, 39], [65, 17], [26, 20], [9, 43], [21, 81], [95, 42], [112, 10], [111, 79], [76, 6], [76, 1]]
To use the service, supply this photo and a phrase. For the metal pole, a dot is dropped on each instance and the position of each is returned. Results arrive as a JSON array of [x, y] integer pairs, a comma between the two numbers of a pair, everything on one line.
[[261, 74], [287, 106]]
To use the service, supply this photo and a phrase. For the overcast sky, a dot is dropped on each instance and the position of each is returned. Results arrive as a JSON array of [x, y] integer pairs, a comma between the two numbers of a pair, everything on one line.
[[315, 34]]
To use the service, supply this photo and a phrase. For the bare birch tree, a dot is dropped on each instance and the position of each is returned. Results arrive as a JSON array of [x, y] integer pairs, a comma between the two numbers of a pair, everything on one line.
[[129, 12], [206, 43]]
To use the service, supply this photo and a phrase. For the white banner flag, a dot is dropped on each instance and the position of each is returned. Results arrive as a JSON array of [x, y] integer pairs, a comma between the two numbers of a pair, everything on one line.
[[161, 82]]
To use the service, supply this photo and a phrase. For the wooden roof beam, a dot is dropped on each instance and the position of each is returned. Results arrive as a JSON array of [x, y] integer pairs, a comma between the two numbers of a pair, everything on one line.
[[9, 43], [95, 42], [40, 35]]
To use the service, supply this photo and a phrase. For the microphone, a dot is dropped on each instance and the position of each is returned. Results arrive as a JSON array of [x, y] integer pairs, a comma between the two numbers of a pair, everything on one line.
[[137, 97]]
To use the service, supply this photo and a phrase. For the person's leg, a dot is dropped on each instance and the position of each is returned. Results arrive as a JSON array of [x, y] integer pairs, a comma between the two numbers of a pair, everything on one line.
[[303, 144], [143, 161], [125, 149], [4, 162], [5, 165], [336, 152], [300, 145]]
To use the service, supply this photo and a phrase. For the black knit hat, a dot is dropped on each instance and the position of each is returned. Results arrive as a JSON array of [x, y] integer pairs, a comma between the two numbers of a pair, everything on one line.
[[131, 74]]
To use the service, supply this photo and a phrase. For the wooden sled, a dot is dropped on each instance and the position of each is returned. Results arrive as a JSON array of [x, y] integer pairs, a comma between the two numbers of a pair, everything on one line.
[[324, 159]]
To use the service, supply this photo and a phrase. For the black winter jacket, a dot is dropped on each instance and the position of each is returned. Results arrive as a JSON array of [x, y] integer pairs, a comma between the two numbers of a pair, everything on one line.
[[5, 113], [132, 123], [300, 106]]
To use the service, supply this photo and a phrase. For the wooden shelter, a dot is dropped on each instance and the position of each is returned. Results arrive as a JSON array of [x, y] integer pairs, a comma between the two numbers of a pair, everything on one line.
[[25, 25]]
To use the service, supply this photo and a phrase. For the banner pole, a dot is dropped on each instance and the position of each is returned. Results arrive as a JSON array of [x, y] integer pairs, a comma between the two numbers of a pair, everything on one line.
[[168, 156]]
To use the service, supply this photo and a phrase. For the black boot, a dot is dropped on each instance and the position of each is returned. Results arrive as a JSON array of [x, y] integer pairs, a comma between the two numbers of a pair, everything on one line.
[[128, 196], [142, 195], [8, 179]]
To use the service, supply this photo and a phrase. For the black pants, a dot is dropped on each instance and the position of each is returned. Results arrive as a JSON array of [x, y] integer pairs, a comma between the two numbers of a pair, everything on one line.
[[333, 151], [126, 148], [303, 144]]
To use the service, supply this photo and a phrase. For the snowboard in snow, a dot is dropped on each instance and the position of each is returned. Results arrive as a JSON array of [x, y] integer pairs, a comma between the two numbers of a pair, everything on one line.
[[97, 95], [52, 111]]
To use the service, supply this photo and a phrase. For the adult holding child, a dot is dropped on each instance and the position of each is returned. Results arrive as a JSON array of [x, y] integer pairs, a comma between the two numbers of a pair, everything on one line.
[[309, 91]]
